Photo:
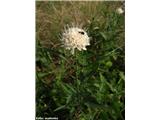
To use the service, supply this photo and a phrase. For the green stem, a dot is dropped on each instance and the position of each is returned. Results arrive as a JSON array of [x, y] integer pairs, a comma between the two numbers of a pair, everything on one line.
[[76, 69]]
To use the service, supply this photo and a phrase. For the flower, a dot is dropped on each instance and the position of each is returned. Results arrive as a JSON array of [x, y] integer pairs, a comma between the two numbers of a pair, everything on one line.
[[120, 11], [75, 37]]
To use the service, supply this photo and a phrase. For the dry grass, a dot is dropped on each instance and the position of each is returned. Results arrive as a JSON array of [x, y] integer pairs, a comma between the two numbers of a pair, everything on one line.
[[50, 20]]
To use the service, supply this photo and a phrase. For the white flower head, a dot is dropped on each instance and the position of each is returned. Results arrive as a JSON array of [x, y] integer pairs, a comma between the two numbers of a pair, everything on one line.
[[120, 11], [75, 37]]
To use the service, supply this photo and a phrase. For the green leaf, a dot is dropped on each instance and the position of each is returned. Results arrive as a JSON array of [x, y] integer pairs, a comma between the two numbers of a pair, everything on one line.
[[94, 105], [66, 89], [69, 98], [59, 108], [41, 75], [121, 74], [102, 78], [71, 88], [103, 35]]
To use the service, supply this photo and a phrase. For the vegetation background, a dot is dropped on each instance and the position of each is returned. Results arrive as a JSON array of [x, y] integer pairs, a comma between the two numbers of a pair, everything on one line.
[[90, 84]]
